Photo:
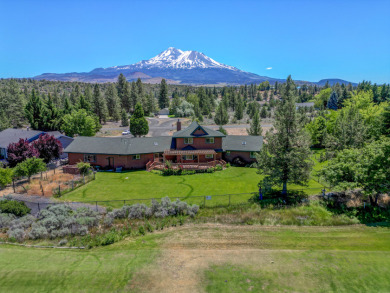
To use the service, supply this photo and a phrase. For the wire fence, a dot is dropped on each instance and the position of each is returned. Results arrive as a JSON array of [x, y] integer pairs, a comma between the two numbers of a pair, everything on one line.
[[37, 203]]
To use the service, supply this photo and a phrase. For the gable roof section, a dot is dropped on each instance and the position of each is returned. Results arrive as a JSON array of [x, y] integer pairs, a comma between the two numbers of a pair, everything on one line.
[[242, 143], [193, 127], [12, 135], [119, 145]]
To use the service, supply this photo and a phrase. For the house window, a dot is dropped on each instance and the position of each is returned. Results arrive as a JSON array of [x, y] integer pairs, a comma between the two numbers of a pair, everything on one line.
[[90, 158], [188, 140], [188, 157], [253, 155], [136, 157], [228, 153], [209, 156], [210, 140]]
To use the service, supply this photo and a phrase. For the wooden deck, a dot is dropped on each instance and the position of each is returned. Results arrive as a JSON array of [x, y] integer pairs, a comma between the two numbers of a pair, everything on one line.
[[156, 165]]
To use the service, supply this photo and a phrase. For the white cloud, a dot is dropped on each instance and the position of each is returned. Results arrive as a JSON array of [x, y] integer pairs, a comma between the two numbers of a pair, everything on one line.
[[269, 68]]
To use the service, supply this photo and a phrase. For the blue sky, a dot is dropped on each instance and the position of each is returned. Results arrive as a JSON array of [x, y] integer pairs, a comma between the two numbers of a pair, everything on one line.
[[310, 40]]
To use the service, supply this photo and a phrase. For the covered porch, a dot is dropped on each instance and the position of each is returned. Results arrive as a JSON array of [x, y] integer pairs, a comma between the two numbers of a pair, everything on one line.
[[188, 159]]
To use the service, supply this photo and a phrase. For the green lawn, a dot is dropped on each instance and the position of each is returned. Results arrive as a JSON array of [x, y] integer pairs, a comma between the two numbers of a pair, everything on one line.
[[144, 185], [214, 258]]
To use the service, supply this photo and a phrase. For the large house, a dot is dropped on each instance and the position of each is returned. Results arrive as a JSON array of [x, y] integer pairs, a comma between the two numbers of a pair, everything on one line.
[[13, 135], [195, 146]]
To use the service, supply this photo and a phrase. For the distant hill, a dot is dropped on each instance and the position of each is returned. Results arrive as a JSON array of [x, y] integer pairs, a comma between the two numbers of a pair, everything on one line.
[[177, 66], [333, 81]]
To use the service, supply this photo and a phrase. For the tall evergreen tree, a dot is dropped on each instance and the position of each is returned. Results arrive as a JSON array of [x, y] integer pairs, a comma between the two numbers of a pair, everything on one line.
[[333, 101], [239, 113], [221, 115], [67, 106], [138, 124], [163, 100], [255, 126], [99, 105], [386, 121], [83, 104], [285, 158], [124, 118], [134, 95], [140, 92], [34, 111], [51, 115], [113, 103]]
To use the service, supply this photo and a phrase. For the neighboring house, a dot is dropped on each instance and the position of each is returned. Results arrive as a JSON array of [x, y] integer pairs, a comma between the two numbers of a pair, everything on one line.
[[195, 145], [12, 135]]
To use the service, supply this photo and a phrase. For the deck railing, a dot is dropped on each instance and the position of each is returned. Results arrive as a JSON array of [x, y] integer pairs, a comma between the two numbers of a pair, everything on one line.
[[189, 166]]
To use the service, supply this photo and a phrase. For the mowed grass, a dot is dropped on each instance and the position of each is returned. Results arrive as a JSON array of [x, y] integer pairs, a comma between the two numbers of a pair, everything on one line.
[[355, 259], [107, 269], [211, 258], [146, 185]]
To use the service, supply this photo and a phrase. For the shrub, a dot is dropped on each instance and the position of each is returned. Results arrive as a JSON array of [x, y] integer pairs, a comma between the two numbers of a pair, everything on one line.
[[62, 242], [84, 168], [14, 207], [5, 220], [17, 234], [141, 230], [38, 232]]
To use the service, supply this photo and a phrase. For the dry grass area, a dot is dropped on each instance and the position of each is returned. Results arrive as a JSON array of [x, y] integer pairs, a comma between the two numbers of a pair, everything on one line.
[[257, 258], [49, 181]]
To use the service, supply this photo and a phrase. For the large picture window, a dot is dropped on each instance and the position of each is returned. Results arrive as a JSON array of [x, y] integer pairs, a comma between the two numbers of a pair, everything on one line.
[[136, 157], [90, 158], [188, 140], [209, 156], [209, 139]]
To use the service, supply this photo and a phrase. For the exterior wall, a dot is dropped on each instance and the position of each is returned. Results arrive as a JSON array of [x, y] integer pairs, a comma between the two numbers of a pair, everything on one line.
[[234, 154], [126, 162], [200, 143], [65, 141]]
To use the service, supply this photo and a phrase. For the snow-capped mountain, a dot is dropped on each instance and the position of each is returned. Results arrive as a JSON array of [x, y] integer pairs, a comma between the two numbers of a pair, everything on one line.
[[175, 65], [178, 59]]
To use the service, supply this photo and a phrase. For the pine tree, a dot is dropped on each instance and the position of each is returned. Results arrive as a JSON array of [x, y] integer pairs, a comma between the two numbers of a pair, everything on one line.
[[51, 116], [333, 101], [123, 88], [255, 126], [239, 113], [124, 118], [138, 124], [140, 92], [88, 95], [163, 100], [99, 105], [83, 104], [34, 111], [263, 112], [285, 157], [67, 106], [113, 103], [221, 116], [151, 104], [134, 95]]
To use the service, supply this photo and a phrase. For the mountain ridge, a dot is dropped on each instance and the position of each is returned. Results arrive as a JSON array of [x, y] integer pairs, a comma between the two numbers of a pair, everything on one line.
[[177, 67]]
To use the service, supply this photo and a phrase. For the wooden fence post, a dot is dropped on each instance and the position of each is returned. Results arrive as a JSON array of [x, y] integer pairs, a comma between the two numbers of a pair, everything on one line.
[[13, 185], [39, 209], [96, 207], [59, 189]]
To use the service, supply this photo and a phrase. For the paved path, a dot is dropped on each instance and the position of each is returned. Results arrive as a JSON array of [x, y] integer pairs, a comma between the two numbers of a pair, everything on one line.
[[37, 203]]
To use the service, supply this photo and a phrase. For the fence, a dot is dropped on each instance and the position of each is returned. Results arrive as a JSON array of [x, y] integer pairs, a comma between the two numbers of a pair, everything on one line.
[[38, 203]]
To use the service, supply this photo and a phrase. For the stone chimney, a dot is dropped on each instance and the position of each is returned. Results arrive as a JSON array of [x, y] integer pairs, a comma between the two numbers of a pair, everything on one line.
[[178, 125]]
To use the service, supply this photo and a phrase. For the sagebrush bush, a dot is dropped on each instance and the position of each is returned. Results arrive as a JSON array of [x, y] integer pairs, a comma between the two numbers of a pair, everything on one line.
[[157, 209], [17, 234], [6, 219]]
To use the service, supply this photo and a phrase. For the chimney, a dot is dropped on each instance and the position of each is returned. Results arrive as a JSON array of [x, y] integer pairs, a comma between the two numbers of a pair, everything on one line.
[[178, 125]]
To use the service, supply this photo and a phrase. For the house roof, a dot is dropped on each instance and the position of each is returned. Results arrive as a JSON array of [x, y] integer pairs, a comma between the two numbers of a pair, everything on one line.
[[242, 143], [12, 135], [189, 131], [119, 145]]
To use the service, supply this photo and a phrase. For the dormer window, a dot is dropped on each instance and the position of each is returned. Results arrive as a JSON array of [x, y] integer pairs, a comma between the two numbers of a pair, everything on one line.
[[244, 142], [156, 143], [188, 140], [209, 139]]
